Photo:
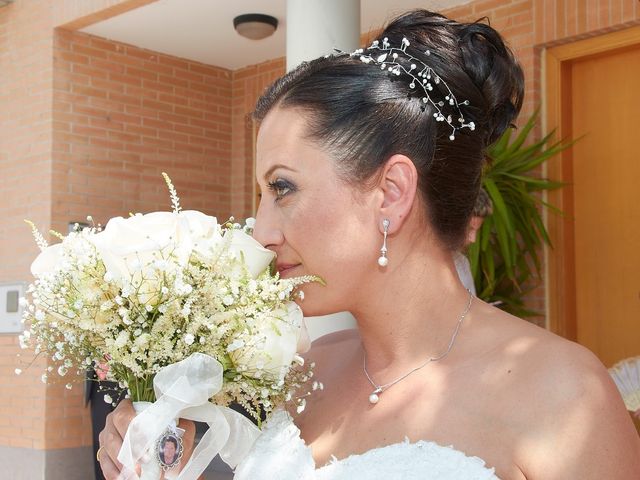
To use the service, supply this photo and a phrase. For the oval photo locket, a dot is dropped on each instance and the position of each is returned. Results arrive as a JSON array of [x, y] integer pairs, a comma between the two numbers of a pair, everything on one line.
[[169, 450]]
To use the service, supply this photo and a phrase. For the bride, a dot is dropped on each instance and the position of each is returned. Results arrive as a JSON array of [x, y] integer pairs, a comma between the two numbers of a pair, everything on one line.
[[370, 164]]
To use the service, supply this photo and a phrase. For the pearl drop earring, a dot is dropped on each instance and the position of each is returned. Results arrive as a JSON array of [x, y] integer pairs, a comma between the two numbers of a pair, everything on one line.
[[383, 261]]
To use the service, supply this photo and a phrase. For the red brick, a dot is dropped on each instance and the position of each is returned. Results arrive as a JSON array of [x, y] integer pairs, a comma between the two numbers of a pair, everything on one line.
[[159, 106], [108, 66], [72, 57], [142, 74], [189, 76], [145, 131], [170, 117], [88, 51], [109, 85], [141, 112], [83, 69], [156, 67], [125, 99], [103, 44], [88, 91], [174, 81], [124, 118], [158, 87], [125, 79], [141, 92], [99, 142], [173, 62]]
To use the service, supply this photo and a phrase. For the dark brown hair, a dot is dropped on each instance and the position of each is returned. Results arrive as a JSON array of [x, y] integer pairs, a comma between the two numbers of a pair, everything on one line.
[[362, 115]]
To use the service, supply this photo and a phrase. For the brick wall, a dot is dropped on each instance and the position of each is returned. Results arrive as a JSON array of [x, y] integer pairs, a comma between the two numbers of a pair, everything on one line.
[[121, 116], [248, 84], [25, 189], [87, 127]]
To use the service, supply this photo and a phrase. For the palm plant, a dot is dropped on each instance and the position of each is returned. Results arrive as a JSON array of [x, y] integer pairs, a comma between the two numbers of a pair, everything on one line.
[[506, 255]]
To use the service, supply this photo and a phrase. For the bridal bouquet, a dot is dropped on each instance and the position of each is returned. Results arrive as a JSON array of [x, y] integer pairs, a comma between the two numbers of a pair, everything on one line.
[[188, 318]]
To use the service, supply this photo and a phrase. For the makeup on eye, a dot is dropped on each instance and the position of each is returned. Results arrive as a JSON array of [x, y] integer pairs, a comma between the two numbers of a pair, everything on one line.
[[281, 187]]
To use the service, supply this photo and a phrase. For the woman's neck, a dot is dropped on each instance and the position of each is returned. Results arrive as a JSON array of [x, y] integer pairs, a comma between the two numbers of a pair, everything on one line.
[[410, 312]]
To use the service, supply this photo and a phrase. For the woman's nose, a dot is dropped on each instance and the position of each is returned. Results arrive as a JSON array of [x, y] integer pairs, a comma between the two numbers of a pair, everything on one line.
[[266, 230]]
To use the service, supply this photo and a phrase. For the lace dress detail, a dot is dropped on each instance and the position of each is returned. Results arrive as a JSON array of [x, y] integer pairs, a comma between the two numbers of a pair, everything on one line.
[[280, 453]]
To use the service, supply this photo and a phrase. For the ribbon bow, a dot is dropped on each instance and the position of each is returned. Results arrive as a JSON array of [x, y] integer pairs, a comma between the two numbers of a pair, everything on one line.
[[183, 390]]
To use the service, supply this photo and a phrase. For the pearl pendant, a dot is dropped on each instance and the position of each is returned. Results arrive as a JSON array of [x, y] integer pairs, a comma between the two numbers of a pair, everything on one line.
[[383, 261], [374, 397]]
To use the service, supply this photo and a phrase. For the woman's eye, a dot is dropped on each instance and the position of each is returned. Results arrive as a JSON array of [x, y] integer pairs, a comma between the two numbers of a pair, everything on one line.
[[281, 188]]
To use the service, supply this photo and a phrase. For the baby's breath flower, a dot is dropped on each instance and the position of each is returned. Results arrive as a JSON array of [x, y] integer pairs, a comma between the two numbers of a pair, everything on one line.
[[141, 311]]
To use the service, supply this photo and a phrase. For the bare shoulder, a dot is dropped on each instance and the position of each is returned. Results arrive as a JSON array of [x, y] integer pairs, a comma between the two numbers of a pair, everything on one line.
[[561, 399], [548, 363]]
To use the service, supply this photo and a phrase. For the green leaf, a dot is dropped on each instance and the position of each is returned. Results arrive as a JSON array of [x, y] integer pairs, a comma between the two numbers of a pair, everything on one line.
[[506, 258]]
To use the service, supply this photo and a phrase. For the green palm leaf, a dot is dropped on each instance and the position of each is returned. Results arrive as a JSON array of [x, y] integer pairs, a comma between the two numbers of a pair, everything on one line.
[[505, 259]]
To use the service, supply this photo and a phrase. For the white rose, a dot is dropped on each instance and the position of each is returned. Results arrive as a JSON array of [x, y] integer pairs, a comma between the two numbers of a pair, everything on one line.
[[279, 337], [47, 260], [130, 247], [126, 244], [203, 230], [256, 257]]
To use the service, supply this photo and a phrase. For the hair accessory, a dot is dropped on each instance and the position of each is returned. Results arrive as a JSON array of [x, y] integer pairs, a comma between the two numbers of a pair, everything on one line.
[[374, 397], [383, 261], [397, 60]]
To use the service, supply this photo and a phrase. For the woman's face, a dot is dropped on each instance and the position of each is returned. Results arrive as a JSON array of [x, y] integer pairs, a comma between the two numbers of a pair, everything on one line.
[[169, 452], [316, 223]]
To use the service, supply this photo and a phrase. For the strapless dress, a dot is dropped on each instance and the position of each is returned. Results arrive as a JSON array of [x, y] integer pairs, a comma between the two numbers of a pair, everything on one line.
[[280, 453]]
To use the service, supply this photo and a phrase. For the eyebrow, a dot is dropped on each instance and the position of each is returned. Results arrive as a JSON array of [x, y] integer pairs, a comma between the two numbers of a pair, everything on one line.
[[276, 167]]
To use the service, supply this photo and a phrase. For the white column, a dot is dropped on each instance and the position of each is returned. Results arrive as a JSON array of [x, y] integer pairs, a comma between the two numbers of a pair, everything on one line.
[[316, 27]]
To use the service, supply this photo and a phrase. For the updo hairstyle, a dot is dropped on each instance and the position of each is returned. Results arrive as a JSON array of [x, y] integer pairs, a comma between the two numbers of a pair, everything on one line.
[[361, 115]]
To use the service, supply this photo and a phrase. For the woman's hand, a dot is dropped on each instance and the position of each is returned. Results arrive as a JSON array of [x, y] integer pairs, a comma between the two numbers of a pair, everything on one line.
[[113, 434]]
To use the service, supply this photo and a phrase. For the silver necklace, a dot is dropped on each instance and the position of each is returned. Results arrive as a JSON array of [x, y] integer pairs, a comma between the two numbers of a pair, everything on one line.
[[378, 389]]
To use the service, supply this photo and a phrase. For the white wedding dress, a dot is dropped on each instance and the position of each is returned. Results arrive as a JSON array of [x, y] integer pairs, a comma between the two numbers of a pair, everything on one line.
[[280, 453]]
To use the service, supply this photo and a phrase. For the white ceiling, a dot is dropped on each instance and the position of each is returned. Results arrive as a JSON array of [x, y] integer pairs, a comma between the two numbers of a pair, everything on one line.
[[202, 30]]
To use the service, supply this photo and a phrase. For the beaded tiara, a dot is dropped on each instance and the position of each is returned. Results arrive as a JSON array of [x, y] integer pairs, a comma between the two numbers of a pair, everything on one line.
[[397, 61]]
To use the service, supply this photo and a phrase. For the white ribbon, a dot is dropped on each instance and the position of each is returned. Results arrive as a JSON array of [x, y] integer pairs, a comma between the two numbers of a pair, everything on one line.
[[183, 390]]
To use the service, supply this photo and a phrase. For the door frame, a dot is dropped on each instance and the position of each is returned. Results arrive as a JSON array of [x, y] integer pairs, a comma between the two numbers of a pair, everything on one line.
[[560, 260]]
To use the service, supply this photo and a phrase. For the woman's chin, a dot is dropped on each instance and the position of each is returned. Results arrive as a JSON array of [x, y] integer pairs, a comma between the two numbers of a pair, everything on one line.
[[315, 307]]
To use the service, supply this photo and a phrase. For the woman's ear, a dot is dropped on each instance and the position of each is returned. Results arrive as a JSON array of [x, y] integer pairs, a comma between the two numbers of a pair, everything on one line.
[[398, 184]]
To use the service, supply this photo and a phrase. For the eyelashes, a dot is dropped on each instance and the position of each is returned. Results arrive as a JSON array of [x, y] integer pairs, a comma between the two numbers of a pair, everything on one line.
[[281, 188]]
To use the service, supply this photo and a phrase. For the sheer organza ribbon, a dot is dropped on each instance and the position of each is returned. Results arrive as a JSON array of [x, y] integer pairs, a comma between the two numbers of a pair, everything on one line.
[[183, 391]]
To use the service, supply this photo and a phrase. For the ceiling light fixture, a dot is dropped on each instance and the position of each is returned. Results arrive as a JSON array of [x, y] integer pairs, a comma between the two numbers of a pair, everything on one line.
[[255, 26]]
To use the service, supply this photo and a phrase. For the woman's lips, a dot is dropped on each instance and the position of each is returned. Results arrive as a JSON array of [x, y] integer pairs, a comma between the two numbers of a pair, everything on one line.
[[285, 268]]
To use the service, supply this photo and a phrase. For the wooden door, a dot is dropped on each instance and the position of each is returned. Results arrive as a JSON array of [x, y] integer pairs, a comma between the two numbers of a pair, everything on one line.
[[595, 266], [606, 185]]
